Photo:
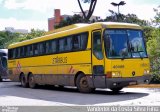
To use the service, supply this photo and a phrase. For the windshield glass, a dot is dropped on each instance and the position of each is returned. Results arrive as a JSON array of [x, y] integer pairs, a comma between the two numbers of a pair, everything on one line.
[[124, 43], [4, 62]]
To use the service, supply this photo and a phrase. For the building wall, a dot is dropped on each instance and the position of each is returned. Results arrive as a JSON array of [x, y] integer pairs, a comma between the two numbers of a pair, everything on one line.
[[54, 20], [50, 24]]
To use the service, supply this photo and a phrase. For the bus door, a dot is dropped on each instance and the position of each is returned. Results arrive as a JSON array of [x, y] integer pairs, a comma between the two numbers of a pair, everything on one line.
[[98, 59]]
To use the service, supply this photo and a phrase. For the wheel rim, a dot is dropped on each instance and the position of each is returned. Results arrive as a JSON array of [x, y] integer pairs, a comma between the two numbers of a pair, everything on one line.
[[83, 82]]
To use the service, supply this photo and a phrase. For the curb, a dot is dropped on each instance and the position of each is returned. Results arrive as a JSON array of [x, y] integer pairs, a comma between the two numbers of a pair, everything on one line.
[[145, 86]]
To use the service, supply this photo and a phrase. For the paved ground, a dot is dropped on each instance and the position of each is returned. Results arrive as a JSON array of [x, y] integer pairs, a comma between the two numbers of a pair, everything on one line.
[[12, 94]]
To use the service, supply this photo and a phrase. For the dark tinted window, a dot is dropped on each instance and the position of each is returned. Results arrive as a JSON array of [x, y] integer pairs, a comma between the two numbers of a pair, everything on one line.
[[48, 47], [10, 54], [22, 52], [66, 44], [80, 41], [53, 46], [35, 49], [30, 50], [41, 48]]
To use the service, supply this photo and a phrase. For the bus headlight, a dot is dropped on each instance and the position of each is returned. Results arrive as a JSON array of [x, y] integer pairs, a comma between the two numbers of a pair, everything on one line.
[[146, 72], [116, 74]]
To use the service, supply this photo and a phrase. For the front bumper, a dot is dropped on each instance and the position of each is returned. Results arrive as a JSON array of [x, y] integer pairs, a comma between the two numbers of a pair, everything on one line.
[[112, 83], [123, 82]]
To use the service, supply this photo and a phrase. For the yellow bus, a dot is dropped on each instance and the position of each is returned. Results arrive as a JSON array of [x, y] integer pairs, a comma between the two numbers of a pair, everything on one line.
[[88, 56]]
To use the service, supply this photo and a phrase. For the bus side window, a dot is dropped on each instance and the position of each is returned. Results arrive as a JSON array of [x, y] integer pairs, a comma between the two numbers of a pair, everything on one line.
[[26, 51], [61, 45], [10, 55], [18, 52], [53, 46], [14, 53], [76, 42], [68, 44], [22, 52], [84, 40], [30, 50], [41, 48], [48, 47], [35, 49]]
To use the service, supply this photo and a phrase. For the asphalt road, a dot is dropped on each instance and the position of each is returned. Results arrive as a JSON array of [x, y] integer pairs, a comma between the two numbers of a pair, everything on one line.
[[12, 94]]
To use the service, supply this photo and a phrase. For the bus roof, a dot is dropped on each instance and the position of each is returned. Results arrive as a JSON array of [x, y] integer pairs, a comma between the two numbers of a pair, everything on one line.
[[73, 27]]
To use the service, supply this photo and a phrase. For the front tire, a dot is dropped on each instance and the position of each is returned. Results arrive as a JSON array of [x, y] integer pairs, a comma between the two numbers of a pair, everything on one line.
[[32, 83], [82, 84]]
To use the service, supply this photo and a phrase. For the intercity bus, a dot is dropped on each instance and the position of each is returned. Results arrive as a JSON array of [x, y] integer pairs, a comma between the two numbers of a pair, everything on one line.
[[88, 56], [3, 64]]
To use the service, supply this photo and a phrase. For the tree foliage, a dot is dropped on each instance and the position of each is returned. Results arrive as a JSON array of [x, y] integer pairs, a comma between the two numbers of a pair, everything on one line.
[[156, 20], [7, 38], [71, 20], [129, 18], [153, 48]]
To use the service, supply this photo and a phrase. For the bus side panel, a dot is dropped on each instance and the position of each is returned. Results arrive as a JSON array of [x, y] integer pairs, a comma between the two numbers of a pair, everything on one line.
[[59, 69]]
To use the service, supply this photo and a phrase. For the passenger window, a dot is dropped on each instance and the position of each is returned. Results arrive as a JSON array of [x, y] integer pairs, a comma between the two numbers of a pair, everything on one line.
[[22, 52], [48, 47], [61, 45], [84, 40], [68, 44], [30, 50], [35, 49], [18, 52], [26, 52], [53, 46], [97, 45], [14, 53], [10, 54], [76, 42], [41, 48]]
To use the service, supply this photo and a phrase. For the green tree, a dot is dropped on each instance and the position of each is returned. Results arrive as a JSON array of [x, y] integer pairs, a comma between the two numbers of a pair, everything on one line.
[[34, 33], [129, 18], [157, 17], [70, 20], [7, 38], [153, 48]]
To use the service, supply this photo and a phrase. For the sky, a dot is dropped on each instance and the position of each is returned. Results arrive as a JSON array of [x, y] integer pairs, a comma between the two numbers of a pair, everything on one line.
[[28, 14]]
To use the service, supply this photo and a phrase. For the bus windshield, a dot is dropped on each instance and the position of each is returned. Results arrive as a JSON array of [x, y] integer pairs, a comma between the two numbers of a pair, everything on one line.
[[124, 43], [4, 62]]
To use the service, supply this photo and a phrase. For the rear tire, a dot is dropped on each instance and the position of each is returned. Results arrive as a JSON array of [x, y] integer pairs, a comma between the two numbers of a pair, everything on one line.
[[23, 81], [31, 81], [82, 84]]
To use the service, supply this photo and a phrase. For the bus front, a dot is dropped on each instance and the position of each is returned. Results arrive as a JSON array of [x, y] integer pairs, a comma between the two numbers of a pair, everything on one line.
[[126, 59]]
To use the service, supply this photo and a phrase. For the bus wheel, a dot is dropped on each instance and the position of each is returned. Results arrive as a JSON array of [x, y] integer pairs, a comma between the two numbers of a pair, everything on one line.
[[23, 81], [82, 84], [32, 83], [116, 90]]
